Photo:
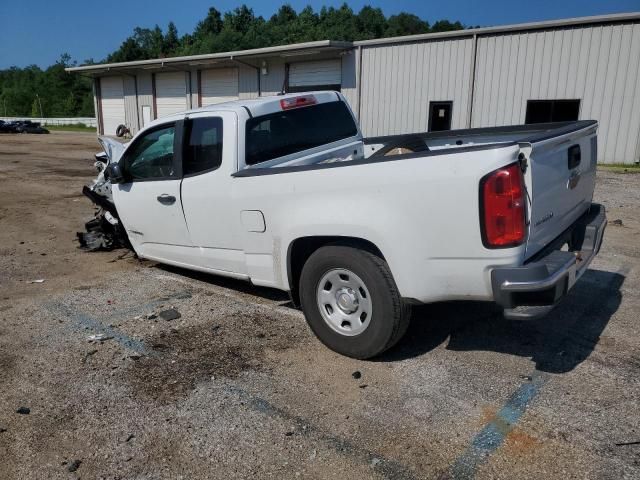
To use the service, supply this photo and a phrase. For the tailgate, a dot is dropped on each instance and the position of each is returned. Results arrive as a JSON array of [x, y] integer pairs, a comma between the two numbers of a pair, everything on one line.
[[560, 180]]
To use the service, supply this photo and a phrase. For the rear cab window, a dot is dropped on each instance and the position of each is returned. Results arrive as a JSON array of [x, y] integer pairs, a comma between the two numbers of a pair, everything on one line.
[[291, 131]]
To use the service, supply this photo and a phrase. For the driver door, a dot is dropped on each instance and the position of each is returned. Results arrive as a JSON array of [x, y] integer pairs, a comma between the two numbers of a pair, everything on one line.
[[149, 203]]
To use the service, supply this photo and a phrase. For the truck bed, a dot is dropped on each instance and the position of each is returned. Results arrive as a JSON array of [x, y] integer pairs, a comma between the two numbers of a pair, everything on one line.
[[427, 200], [426, 144]]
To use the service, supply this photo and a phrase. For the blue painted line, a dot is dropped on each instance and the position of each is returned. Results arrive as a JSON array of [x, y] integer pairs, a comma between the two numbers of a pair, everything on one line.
[[492, 436], [386, 467], [84, 322]]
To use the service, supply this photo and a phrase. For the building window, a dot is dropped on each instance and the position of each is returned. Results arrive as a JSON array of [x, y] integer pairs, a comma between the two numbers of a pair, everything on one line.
[[440, 116], [543, 111]]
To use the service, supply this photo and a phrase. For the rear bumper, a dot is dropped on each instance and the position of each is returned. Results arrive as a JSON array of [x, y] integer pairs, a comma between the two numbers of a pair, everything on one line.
[[532, 290]]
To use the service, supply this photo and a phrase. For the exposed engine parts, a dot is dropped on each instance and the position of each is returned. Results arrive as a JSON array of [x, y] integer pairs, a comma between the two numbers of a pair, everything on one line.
[[104, 231]]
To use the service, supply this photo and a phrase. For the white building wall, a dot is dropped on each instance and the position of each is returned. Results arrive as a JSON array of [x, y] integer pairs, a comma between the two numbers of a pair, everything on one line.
[[145, 94], [399, 81], [130, 102], [247, 82], [271, 84], [600, 65], [350, 79]]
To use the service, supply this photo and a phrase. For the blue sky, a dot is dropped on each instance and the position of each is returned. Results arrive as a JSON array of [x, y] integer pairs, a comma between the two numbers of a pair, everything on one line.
[[38, 31]]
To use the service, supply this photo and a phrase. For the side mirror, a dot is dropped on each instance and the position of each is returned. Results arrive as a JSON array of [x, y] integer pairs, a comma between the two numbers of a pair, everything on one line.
[[113, 173]]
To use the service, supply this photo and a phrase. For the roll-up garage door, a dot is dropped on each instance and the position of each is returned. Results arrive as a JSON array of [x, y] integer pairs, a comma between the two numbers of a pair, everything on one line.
[[218, 85], [112, 101], [316, 75], [171, 93]]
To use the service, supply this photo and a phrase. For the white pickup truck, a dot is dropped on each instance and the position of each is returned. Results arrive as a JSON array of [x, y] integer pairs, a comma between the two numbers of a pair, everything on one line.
[[285, 192]]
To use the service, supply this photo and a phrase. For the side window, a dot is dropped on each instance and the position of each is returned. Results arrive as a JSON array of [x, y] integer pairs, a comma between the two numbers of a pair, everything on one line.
[[203, 148], [151, 156]]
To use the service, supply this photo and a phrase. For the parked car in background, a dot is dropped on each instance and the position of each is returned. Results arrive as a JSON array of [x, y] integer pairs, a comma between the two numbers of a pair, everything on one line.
[[21, 126], [285, 192]]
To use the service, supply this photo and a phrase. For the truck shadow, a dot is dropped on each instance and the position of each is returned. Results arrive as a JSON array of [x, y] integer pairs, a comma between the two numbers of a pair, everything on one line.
[[556, 343], [239, 286]]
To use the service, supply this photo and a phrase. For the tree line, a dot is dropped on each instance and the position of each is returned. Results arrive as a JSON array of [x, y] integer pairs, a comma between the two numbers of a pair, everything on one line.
[[32, 91]]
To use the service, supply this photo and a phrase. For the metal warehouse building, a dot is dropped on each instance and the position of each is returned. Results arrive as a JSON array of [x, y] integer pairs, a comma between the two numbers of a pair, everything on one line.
[[584, 68]]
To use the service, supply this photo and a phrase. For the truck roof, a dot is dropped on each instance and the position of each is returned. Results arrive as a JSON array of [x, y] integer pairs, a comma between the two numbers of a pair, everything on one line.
[[255, 106]]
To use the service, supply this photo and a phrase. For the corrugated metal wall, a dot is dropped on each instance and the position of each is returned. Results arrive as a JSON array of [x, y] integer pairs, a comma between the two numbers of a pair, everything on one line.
[[272, 83], [247, 82], [145, 93], [600, 65], [130, 102], [349, 87], [399, 81]]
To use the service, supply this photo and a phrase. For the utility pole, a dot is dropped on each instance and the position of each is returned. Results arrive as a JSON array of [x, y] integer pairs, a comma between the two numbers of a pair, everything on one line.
[[40, 103]]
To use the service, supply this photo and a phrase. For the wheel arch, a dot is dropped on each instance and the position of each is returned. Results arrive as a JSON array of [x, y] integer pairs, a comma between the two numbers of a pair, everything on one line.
[[300, 249]]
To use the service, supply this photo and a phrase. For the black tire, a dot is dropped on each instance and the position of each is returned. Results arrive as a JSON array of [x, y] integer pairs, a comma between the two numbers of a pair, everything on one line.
[[120, 131], [390, 318]]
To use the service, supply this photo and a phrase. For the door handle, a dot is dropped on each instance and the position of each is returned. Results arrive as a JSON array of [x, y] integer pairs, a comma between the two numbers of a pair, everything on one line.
[[166, 199], [574, 178]]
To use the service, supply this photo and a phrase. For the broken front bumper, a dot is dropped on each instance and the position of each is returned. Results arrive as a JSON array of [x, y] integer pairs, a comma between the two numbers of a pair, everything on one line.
[[104, 231], [532, 290]]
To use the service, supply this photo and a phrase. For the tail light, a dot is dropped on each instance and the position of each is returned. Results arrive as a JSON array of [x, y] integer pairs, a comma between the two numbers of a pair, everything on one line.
[[502, 207], [295, 102]]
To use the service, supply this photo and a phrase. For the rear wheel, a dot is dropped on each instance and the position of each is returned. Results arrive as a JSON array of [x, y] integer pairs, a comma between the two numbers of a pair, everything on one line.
[[351, 301]]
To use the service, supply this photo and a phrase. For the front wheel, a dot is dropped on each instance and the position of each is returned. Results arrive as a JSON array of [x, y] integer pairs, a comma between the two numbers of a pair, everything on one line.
[[351, 301]]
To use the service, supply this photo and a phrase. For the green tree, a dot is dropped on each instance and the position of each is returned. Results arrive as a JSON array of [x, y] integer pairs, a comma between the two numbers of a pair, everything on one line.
[[405, 24], [446, 26], [170, 41], [211, 25], [128, 52], [371, 23], [338, 23]]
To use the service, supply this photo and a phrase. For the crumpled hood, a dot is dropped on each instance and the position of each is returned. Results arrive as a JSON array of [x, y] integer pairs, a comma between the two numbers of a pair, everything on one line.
[[112, 148]]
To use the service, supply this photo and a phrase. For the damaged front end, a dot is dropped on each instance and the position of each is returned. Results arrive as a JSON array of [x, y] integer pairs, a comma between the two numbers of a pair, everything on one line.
[[104, 231]]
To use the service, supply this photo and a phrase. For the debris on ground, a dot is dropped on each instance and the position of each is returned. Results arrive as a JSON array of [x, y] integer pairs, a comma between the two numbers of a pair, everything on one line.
[[122, 256], [356, 374], [100, 337], [75, 465], [624, 444], [130, 437], [617, 222], [170, 314], [23, 411], [2, 429], [40, 280], [88, 354]]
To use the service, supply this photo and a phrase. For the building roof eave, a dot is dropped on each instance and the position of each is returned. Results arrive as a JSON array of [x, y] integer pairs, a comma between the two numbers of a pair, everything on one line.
[[212, 58]]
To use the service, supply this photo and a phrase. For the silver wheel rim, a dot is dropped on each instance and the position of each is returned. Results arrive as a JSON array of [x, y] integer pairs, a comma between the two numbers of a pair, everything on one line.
[[344, 302]]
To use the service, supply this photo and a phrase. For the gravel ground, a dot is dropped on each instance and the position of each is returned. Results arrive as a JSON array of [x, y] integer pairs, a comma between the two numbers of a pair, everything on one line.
[[239, 387]]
